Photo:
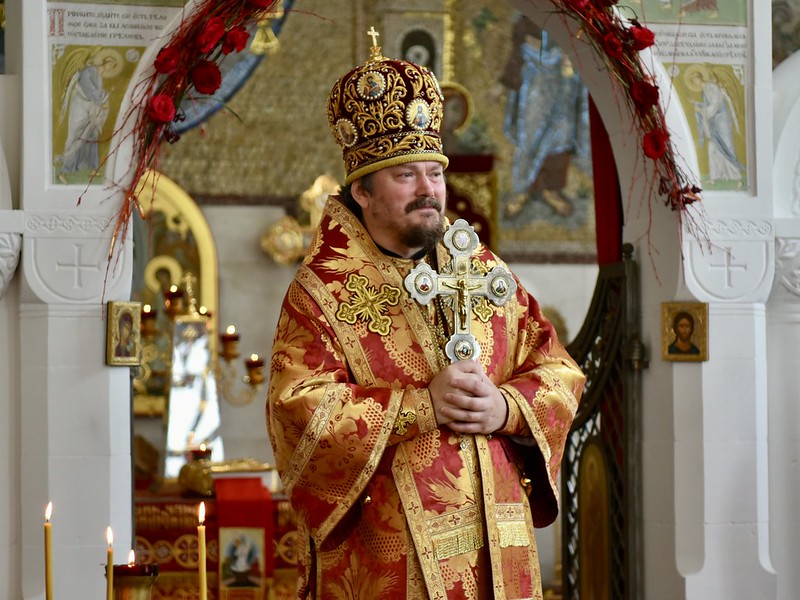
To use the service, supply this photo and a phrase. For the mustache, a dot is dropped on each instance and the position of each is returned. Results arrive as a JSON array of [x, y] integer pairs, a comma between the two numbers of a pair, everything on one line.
[[424, 203]]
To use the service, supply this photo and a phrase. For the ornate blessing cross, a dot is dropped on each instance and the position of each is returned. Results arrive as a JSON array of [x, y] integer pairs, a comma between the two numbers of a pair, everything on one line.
[[459, 281]]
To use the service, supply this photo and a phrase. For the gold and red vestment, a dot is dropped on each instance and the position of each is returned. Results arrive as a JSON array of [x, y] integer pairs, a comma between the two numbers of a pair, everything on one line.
[[390, 505]]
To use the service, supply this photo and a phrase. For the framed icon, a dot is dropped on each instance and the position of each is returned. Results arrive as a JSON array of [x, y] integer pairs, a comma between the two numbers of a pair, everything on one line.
[[684, 331], [123, 336]]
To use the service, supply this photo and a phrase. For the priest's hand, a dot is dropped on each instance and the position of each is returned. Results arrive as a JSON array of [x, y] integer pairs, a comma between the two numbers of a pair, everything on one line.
[[466, 400]]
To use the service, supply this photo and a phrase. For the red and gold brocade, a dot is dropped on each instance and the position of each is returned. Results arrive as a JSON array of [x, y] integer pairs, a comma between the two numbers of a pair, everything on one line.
[[390, 504]]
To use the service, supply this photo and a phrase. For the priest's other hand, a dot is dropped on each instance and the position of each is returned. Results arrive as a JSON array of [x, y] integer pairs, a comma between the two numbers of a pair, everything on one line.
[[466, 400]]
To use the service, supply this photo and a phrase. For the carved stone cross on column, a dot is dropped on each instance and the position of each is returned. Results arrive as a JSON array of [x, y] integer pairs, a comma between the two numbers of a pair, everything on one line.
[[464, 284]]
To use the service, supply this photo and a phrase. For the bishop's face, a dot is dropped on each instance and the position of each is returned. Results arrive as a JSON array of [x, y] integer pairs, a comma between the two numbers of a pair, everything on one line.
[[404, 209]]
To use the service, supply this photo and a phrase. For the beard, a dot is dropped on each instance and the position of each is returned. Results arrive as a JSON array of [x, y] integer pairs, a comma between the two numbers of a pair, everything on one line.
[[424, 236]]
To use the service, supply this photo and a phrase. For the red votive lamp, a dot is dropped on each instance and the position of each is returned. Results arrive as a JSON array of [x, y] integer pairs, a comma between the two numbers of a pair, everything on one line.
[[255, 370], [201, 452], [173, 299], [148, 322], [230, 343], [134, 581]]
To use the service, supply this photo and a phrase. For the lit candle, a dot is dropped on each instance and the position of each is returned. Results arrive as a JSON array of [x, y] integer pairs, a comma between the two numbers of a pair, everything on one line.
[[110, 565], [173, 300], [201, 549], [48, 553], [230, 340], [255, 369], [148, 322]]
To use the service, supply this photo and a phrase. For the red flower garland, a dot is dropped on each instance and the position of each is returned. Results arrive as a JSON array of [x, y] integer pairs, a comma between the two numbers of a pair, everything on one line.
[[186, 67], [618, 43]]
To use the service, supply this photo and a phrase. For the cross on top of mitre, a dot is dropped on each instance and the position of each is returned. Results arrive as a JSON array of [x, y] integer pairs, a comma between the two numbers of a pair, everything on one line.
[[375, 50], [464, 286]]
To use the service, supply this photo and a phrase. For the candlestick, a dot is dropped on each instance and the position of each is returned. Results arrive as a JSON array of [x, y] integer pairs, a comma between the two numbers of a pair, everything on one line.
[[110, 565], [132, 581], [148, 321], [48, 553], [173, 300], [230, 343], [255, 370], [201, 550]]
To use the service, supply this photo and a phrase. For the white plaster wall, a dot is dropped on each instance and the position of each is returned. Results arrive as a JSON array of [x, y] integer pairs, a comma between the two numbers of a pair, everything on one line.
[[10, 431]]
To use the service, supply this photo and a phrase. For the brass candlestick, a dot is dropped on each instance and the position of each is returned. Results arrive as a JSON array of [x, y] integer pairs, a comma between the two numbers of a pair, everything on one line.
[[134, 582]]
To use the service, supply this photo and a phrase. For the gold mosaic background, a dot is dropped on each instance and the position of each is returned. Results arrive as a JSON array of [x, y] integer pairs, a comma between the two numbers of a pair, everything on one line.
[[283, 142]]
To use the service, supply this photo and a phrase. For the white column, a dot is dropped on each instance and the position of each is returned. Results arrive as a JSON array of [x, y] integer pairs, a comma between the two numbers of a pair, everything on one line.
[[74, 411], [783, 327]]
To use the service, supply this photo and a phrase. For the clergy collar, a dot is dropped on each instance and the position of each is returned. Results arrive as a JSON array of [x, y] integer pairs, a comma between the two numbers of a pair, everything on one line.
[[391, 254]]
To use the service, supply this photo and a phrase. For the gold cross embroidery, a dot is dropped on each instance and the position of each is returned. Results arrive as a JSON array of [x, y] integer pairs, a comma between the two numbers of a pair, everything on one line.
[[368, 304], [404, 419], [468, 284]]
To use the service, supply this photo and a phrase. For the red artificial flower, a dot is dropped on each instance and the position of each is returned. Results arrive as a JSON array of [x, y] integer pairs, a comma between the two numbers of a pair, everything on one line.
[[654, 144], [235, 40], [211, 35], [162, 108], [612, 45], [578, 6], [261, 3], [167, 60], [206, 77], [606, 3], [641, 37], [644, 95]]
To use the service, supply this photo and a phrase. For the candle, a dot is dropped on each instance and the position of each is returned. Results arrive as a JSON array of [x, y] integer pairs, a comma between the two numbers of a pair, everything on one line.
[[134, 570], [110, 565], [255, 370], [48, 553], [173, 300], [148, 323], [230, 341], [201, 549]]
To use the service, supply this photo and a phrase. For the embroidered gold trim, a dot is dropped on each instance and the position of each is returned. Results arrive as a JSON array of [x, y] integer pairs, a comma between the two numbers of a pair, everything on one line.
[[513, 533], [460, 541]]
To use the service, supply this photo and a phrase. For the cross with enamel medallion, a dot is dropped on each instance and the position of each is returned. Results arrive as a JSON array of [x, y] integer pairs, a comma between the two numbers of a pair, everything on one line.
[[463, 285]]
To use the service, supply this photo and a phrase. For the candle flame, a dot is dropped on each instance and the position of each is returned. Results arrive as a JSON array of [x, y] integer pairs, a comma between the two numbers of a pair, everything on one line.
[[202, 310], [202, 446], [254, 357], [201, 513], [110, 536], [230, 330], [131, 558], [147, 308], [48, 511], [173, 288]]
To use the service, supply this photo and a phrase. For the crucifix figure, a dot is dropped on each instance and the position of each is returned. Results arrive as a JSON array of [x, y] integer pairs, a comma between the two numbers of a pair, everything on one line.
[[463, 285]]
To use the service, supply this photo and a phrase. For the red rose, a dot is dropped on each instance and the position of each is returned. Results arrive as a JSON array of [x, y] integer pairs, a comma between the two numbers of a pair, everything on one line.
[[641, 37], [235, 40], [654, 144], [161, 109], [261, 3], [206, 77], [167, 60], [211, 35], [612, 45], [644, 95]]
